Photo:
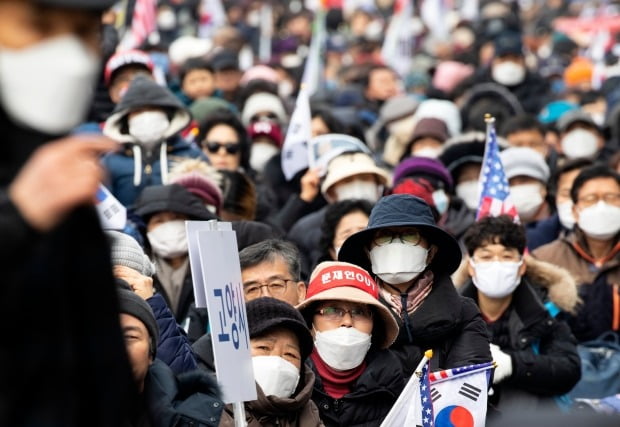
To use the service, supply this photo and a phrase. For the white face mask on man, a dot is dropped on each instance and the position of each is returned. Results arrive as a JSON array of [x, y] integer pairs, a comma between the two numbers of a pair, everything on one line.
[[527, 199], [601, 221], [342, 348], [565, 214], [148, 127], [398, 262], [358, 189], [56, 98], [260, 154], [508, 73], [469, 192], [275, 375], [579, 143], [496, 279], [169, 240]]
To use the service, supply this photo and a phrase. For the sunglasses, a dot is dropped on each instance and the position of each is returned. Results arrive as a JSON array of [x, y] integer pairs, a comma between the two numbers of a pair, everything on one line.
[[214, 147]]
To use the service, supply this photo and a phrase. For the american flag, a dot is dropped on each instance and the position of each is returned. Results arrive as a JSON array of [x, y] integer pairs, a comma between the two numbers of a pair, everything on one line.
[[460, 371], [495, 195], [428, 418]]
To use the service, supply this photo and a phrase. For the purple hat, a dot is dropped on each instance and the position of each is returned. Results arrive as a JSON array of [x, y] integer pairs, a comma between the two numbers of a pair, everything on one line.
[[423, 165]]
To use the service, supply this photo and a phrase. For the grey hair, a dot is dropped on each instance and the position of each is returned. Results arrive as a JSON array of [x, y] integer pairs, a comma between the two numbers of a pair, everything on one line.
[[269, 250]]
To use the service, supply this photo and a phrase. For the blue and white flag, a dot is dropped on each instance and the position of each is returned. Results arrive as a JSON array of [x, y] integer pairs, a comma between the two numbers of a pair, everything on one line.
[[459, 395], [295, 147], [397, 49], [313, 70]]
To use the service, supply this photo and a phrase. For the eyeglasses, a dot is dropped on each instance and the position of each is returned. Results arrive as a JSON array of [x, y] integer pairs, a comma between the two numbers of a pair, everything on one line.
[[592, 199], [336, 314], [213, 147], [384, 237], [276, 287]]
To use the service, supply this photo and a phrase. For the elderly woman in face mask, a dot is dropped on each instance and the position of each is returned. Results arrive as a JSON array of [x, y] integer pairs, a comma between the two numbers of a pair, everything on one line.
[[280, 342], [358, 380], [412, 259]]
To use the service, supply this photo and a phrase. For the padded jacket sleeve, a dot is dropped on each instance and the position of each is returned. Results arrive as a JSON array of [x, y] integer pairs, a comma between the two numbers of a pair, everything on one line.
[[174, 348]]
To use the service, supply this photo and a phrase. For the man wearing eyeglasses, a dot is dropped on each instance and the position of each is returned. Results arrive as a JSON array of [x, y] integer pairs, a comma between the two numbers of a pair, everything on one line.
[[591, 253], [270, 268], [412, 259]]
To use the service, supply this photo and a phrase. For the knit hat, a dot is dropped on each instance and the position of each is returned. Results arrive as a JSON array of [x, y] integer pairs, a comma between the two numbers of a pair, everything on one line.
[[259, 72], [443, 110], [350, 164], [449, 74], [397, 107], [430, 128], [266, 313], [131, 303], [173, 198], [202, 108], [268, 129], [524, 161], [578, 72], [225, 59], [508, 43], [553, 111], [203, 187], [263, 101], [423, 166], [575, 116], [341, 281], [119, 60], [126, 251]]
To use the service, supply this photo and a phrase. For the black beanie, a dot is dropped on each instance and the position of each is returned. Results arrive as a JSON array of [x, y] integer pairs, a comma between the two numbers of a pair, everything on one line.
[[132, 304], [265, 314]]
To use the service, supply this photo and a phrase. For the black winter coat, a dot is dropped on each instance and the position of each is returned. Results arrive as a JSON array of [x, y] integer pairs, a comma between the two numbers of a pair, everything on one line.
[[372, 396], [446, 323], [63, 360], [550, 370]]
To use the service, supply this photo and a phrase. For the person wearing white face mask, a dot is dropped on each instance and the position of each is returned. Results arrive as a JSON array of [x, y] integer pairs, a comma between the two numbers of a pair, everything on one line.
[[508, 68], [49, 62], [164, 209], [412, 259], [536, 354], [527, 174], [280, 343], [358, 379], [147, 122], [580, 136], [592, 251], [562, 221]]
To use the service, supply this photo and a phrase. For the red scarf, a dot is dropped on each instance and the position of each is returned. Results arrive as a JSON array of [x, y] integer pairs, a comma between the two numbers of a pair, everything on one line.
[[336, 383]]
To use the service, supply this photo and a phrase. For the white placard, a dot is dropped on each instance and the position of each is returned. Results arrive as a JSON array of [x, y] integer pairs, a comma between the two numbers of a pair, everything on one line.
[[223, 290]]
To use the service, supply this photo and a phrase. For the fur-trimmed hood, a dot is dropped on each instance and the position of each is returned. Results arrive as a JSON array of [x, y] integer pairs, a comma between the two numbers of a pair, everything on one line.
[[560, 285], [144, 92]]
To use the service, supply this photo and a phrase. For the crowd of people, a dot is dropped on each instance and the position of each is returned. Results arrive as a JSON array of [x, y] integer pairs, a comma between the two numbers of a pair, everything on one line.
[[351, 270]]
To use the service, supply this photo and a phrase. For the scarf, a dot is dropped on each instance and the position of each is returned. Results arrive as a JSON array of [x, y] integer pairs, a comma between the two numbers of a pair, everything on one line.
[[336, 383]]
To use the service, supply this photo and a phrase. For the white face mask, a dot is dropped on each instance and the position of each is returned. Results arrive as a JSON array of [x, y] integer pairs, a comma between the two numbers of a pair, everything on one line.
[[508, 73], [261, 153], [358, 190], [48, 86], [579, 143], [432, 153], [469, 193], [149, 127], [166, 19], [598, 118], [169, 239], [398, 262], [496, 279], [601, 221], [527, 200], [441, 201], [342, 348], [275, 376], [565, 214]]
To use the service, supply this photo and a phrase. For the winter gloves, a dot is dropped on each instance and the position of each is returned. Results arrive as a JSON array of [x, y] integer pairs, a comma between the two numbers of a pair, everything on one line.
[[504, 364]]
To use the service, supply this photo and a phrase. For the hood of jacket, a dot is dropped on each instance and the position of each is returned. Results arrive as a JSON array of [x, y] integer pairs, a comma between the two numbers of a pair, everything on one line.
[[173, 198], [144, 92], [559, 284]]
